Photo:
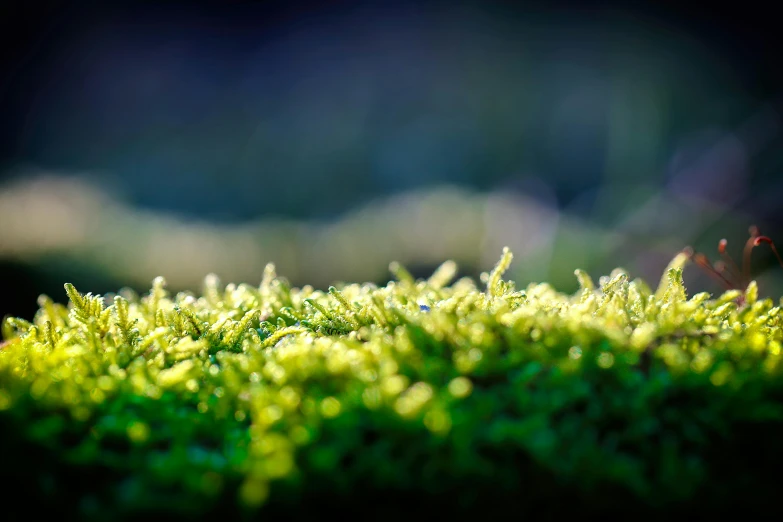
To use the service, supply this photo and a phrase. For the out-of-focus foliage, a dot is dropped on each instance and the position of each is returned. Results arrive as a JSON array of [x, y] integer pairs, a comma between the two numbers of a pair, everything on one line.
[[229, 114], [251, 399], [72, 230]]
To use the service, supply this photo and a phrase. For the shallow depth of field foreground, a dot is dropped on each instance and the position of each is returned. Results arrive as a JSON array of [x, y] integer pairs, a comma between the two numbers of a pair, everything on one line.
[[433, 397]]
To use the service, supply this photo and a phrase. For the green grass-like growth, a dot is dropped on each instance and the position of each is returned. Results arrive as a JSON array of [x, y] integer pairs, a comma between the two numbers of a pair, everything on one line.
[[254, 401]]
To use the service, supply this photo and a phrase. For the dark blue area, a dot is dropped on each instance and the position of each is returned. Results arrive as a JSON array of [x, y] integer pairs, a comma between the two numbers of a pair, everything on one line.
[[309, 109]]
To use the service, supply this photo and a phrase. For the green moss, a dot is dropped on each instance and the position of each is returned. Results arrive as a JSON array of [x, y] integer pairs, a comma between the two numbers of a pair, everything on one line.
[[260, 400]]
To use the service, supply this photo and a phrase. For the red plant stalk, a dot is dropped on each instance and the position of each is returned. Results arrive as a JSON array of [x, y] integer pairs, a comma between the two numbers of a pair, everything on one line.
[[726, 270]]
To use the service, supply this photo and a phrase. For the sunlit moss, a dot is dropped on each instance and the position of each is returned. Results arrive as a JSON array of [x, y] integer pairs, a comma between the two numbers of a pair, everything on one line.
[[460, 387], [244, 388]]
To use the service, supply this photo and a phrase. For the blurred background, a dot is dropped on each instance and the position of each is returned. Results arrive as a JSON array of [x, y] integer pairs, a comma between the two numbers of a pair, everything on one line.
[[144, 139]]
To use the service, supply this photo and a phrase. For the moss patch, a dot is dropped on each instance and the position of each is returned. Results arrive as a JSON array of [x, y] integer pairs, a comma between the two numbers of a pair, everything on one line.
[[252, 401]]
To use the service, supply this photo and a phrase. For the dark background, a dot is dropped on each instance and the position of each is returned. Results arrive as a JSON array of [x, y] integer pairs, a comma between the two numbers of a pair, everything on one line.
[[139, 139]]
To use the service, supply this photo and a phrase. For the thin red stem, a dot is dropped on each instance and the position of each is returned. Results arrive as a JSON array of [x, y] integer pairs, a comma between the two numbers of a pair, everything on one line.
[[732, 267], [749, 244], [726, 269], [765, 239], [701, 260]]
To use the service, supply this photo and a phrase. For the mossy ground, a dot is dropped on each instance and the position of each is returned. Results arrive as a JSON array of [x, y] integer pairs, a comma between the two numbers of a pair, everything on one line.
[[415, 398]]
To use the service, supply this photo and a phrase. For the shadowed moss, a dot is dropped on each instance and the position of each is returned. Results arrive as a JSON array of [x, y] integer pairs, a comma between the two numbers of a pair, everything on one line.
[[250, 401]]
